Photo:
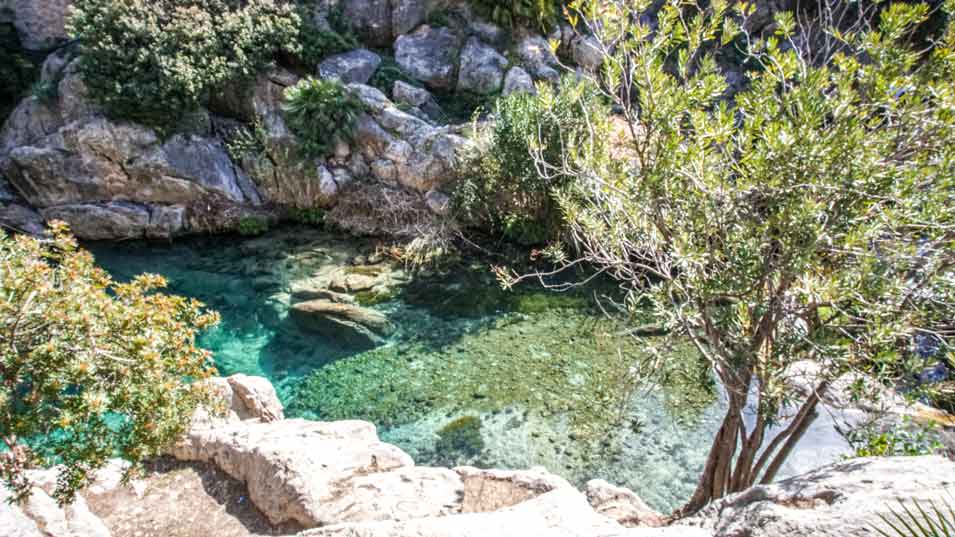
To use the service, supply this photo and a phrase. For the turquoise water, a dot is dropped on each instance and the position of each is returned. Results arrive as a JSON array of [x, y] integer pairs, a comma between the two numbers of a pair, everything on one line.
[[472, 375]]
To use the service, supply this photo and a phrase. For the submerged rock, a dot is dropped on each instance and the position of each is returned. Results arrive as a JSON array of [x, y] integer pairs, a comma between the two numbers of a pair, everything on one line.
[[352, 325]]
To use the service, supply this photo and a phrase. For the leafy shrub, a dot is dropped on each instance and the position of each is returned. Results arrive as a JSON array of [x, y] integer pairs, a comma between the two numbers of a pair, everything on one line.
[[541, 14], [501, 188], [388, 73], [317, 43], [902, 439], [92, 368], [321, 113], [153, 60], [313, 217], [251, 226]]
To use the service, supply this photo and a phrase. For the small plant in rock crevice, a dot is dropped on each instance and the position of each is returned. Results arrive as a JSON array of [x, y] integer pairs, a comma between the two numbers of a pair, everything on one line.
[[321, 113]]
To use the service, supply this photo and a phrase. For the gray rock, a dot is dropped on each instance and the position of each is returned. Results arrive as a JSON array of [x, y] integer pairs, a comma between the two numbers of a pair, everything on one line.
[[40, 24], [20, 218], [203, 161], [840, 500], [371, 20], [538, 59], [405, 93], [166, 221], [489, 33], [347, 324], [353, 66], [587, 53], [429, 55], [114, 220], [517, 80], [482, 68], [408, 14]]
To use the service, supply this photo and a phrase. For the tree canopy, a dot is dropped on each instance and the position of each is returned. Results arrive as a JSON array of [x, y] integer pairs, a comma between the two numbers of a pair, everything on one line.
[[807, 217]]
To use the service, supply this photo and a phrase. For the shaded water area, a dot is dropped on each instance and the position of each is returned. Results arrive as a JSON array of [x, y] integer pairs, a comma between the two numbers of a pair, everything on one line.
[[471, 375]]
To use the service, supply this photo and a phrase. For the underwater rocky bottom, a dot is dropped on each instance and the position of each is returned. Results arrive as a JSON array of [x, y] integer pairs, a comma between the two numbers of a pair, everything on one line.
[[470, 374]]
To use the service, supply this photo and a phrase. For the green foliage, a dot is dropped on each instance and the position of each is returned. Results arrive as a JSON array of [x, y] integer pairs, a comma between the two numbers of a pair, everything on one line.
[[314, 216], [539, 14], [388, 73], [247, 142], [928, 519], [321, 113], [807, 220], [91, 368], [251, 226], [500, 187], [154, 60], [901, 439], [462, 435], [317, 43], [45, 91]]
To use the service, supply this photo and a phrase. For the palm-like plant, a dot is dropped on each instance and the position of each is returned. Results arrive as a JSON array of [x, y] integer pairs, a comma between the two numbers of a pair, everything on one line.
[[922, 520], [321, 113]]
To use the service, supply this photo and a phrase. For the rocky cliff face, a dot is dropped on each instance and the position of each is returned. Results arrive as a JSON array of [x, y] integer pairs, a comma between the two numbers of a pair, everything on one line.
[[339, 479]]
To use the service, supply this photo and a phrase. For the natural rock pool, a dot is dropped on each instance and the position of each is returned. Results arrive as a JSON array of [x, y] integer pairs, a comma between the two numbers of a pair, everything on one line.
[[464, 374]]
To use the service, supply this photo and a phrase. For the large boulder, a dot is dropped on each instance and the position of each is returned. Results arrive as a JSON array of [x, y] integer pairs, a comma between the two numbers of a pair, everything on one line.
[[482, 68], [294, 469], [841, 500], [356, 66], [114, 220], [408, 14], [429, 55], [257, 397], [351, 325]]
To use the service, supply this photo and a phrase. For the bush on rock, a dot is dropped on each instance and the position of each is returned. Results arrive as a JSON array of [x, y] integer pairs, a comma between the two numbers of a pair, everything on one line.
[[154, 60], [321, 113]]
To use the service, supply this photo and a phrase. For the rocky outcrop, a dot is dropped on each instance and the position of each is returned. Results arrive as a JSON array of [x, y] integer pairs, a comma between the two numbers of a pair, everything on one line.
[[517, 81], [840, 500]]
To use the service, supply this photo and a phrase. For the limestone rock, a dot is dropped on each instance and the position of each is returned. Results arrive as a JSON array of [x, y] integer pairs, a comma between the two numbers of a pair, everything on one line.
[[482, 68], [293, 468], [621, 504], [257, 396], [353, 66], [13, 521], [429, 55], [405, 93], [351, 325], [438, 202], [840, 500], [563, 512], [491, 490], [517, 80], [537, 58]]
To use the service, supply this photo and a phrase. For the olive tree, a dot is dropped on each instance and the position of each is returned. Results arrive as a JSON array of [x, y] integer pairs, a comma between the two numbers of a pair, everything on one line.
[[89, 368], [807, 218]]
